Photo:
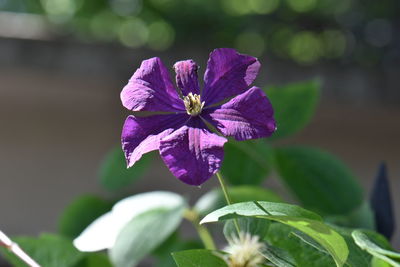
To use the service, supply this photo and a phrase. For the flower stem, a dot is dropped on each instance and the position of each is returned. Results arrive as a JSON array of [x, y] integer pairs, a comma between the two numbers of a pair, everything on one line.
[[16, 250], [227, 198], [202, 231]]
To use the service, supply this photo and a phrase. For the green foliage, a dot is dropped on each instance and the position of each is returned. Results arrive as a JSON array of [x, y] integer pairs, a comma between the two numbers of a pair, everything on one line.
[[377, 246], [115, 175], [214, 199], [245, 162], [279, 257], [305, 170], [171, 244], [294, 104], [80, 213], [305, 221], [311, 254], [143, 234], [198, 258], [48, 250], [95, 260], [254, 226]]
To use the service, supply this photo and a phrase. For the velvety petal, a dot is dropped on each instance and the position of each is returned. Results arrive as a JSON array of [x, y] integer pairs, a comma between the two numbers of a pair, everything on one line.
[[186, 76], [142, 134], [151, 89], [193, 154], [246, 116], [228, 74]]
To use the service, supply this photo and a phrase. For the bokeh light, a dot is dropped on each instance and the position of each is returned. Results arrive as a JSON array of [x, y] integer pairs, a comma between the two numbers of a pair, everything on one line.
[[133, 32], [305, 47], [264, 6], [161, 35], [251, 43], [301, 5], [334, 43]]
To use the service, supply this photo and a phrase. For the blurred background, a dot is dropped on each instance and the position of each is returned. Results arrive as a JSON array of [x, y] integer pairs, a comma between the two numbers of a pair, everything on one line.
[[64, 62]]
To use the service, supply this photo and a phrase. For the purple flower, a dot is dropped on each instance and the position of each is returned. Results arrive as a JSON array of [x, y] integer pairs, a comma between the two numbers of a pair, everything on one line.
[[191, 151]]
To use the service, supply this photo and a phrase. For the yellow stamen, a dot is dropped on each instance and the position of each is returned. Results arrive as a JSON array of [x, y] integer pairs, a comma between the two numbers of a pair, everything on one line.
[[193, 104]]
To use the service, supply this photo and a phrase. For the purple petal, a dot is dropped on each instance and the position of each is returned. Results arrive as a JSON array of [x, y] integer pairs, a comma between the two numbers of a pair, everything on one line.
[[186, 76], [150, 89], [247, 116], [142, 134], [228, 74], [193, 154]]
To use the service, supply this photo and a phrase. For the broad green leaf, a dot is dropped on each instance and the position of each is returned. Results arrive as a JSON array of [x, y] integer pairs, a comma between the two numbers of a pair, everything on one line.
[[377, 246], [95, 260], [80, 213], [246, 162], [357, 257], [319, 180], [279, 257], [377, 262], [294, 105], [362, 217], [48, 250], [143, 234], [254, 226], [304, 255], [291, 215], [214, 199], [173, 243], [102, 233], [198, 258], [115, 175]]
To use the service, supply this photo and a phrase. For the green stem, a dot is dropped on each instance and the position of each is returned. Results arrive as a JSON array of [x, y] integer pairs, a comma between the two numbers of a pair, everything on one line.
[[202, 231], [227, 198]]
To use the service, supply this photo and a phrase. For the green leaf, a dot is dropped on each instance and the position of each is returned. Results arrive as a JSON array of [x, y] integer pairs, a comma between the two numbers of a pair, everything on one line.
[[102, 233], [80, 213], [143, 234], [198, 258], [173, 243], [279, 257], [214, 199], [254, 226], [291, 215], [48, 250], [294, 106], [304, 255], [95, 260], [114, 174], [362, 217], [377, 262], [319, 180], [246, 162], [377, 246]]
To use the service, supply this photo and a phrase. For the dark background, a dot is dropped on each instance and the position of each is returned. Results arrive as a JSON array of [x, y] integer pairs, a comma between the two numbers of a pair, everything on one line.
[[63, 64]]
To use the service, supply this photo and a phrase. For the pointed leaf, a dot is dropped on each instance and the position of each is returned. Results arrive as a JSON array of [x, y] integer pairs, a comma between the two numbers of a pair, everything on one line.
[[48, 250], [114, 173], [377, 246], [294, 105], [304, 170], [245, 162], [102, 233], [143, 234], [381, 204], [198, 258], [80, 213]]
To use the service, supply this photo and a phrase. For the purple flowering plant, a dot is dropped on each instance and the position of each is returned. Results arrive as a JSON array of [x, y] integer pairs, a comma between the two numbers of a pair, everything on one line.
[[190, 133], [189, 126]]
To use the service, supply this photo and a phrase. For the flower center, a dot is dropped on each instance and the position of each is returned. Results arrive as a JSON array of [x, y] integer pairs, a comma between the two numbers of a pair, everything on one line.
[[193, 104]]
